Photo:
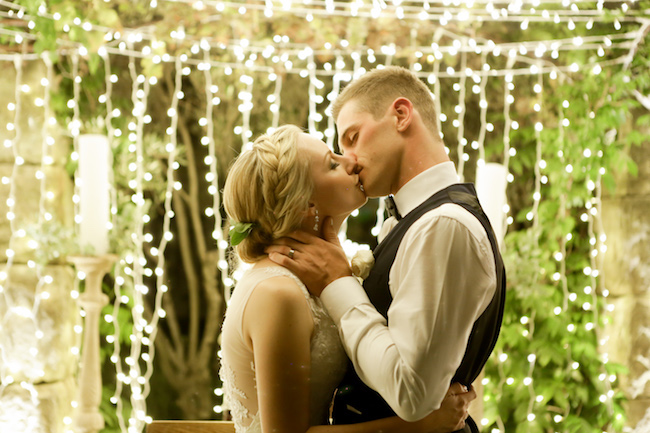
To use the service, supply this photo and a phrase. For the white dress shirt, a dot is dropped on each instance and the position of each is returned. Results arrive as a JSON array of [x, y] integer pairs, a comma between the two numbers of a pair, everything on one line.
[[442, 279]]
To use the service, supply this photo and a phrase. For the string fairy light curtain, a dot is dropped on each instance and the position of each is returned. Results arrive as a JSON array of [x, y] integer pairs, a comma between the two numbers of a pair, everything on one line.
[[179, 99]]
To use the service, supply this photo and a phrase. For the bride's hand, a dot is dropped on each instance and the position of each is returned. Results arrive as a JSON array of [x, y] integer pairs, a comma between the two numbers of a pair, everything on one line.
[[453, 411]]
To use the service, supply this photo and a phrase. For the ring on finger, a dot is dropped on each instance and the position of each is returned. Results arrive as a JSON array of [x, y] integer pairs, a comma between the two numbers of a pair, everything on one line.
[[291, 253]]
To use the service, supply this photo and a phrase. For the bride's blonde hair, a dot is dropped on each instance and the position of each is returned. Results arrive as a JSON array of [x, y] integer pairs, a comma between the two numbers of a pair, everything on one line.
[[269, 186]]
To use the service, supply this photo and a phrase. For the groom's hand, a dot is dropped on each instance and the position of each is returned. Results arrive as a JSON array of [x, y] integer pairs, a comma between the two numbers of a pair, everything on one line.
[[317, 262]]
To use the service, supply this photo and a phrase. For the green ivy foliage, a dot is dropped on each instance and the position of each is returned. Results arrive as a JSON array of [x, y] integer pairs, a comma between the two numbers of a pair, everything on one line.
[[568, 373]]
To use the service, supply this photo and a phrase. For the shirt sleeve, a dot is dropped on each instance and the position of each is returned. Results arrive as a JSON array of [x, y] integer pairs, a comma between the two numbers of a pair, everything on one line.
[[442, 279]]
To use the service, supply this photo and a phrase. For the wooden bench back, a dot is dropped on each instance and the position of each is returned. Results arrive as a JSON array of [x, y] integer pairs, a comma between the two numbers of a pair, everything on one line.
[[191, 427]]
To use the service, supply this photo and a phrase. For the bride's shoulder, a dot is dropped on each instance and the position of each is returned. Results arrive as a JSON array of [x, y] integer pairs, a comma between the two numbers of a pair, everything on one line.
[[278, 290], [277, 302], [278, 285]]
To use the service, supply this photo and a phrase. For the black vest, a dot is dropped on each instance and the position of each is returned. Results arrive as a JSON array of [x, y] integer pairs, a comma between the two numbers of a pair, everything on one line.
[[354, 401]]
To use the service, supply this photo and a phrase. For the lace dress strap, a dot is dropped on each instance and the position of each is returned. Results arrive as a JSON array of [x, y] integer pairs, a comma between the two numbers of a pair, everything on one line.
[[315, 304]]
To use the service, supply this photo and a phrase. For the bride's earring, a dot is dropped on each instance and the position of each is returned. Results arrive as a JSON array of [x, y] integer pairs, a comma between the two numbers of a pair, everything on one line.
[[316, 219]]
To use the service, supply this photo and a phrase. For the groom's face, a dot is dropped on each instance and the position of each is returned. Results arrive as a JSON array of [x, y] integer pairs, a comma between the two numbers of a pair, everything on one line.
[[373, 145]]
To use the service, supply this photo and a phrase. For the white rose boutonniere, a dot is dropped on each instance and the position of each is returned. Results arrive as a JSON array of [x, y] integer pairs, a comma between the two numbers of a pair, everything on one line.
[[362, 263]]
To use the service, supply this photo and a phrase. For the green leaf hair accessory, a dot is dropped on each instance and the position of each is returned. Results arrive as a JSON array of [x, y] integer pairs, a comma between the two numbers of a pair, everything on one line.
[[239, 232]]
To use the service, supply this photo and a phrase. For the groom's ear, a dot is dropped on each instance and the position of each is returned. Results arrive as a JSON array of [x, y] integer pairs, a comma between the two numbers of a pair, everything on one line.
[[403, 111]]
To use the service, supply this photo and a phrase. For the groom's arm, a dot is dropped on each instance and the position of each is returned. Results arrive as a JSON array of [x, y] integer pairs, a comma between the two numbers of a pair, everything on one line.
[[442, 279]]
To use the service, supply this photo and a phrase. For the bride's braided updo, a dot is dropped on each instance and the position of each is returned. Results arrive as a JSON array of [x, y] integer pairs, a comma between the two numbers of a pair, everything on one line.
[[269, 186]]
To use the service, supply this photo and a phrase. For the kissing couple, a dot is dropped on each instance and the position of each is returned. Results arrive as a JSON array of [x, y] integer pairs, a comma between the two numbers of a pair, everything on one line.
[[307, 347]]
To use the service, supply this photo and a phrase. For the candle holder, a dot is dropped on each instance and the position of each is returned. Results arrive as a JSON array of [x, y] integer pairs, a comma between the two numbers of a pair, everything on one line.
[[87, 417]]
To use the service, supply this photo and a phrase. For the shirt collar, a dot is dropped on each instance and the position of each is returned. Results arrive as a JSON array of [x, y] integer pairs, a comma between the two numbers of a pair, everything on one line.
[[424, 185]]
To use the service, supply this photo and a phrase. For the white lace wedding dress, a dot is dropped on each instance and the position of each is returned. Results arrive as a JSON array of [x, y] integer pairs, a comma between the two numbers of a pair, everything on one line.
[[328, 359]]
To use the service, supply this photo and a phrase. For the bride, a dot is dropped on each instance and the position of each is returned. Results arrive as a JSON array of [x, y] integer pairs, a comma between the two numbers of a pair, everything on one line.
[[281, 354]]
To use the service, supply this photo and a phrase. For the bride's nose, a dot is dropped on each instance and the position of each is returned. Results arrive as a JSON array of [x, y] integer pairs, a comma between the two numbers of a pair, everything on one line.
[[350, 164]]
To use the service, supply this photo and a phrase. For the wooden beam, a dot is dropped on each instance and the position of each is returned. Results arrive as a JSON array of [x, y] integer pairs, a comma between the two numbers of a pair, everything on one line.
[[191, 427]]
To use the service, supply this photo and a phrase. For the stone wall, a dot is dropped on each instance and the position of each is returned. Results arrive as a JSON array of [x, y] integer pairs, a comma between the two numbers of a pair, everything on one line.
[[38, 342], [626, 221]]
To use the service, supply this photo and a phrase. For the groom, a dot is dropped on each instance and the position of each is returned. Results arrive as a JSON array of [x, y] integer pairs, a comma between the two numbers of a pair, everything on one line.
[[430, 311]]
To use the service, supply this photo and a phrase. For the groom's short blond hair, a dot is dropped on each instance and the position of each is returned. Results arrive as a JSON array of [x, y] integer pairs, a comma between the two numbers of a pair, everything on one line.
[[375, 90]]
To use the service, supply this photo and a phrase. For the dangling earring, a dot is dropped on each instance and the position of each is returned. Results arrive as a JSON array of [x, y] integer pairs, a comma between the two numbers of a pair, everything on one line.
[[316, 219]]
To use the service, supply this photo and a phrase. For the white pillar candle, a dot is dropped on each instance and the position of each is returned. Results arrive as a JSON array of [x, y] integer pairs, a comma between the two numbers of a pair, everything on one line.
[[491, 182], [94, 166]]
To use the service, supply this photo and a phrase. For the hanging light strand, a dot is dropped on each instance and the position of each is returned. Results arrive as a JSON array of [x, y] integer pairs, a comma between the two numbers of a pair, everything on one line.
[[483, 105], [562, 273], [17, 163], [43, 214], [548, 67], [161, 288], [313, 109], [119, 276], [219, 228], [107, 100], [532, 358], [135, 380], [500, 358], [73, 127], [434, 11], [330, 132], [436, 95], [277, 100], [460, 111], [245, 108], [538, 153], [594, 228], [508, 100], [6, 370]]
